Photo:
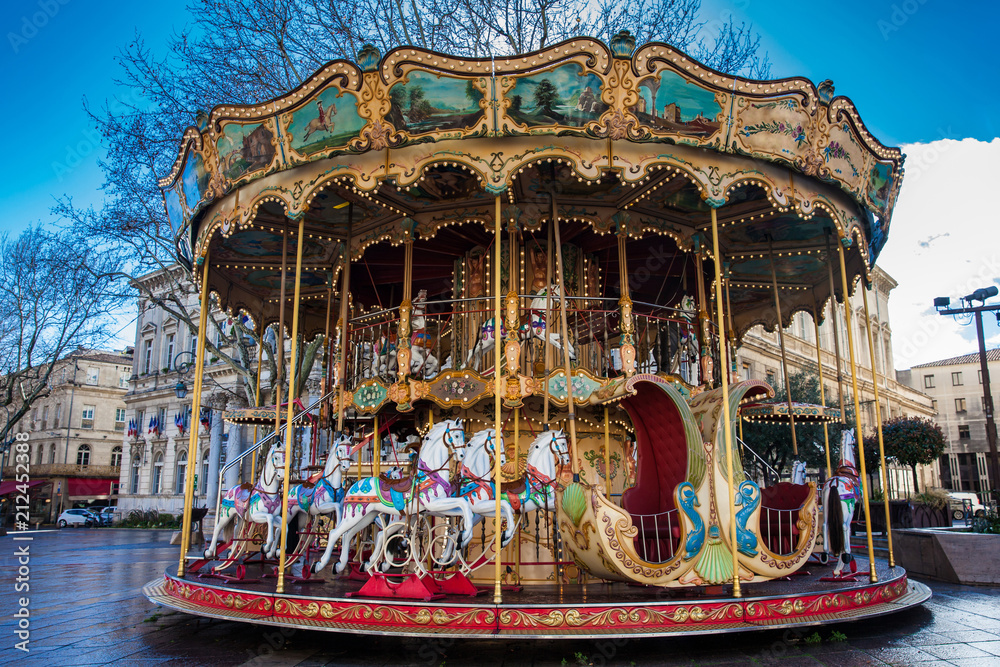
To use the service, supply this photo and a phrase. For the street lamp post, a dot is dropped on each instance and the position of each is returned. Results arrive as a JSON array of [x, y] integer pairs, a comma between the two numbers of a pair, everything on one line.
[[943, 306]]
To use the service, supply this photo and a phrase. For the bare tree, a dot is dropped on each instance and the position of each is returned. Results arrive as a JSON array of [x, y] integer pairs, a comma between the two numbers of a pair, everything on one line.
[[55, 297], [246, 51]]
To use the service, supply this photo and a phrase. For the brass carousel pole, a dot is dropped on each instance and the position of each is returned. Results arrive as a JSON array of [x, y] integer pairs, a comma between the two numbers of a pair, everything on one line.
[[781, 344], [279, 338], [199, 372], [570, 405], [497, 389], [822, 388], [345, 290], [547, 354], [857, 412], [878, 425], [730, 461], [836, 335], [703, 319], [256, 396], [290, 414], [607, 453]]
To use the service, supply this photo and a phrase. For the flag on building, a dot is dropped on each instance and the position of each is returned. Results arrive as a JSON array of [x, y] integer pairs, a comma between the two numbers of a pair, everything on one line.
[[206, 417], [154, 426], [180, 421]]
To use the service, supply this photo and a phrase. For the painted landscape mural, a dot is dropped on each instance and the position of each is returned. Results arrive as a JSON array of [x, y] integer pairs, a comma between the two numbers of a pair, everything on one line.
[[668, 102], [244, 148], [426, 102], [329, 121], [195, 180], [565, 95]]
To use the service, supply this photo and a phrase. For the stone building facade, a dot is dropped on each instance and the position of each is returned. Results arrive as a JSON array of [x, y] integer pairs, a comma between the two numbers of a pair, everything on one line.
[[955, 386], [759, 358], [75, 433]]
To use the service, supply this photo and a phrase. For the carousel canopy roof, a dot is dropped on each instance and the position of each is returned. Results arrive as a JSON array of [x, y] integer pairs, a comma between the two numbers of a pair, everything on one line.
[[643, 142]]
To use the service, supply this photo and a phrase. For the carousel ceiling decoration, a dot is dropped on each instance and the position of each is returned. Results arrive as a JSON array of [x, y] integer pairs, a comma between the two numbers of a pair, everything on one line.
[[609, 130]]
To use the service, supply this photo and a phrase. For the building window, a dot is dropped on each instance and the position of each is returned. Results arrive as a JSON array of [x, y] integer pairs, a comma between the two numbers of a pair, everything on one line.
[[39, 454], [934, 405], [963, 432], [980, 374], [770, 380], [83, 455], [928, 382], [147, 356], [116, 457], [123, 380], [204, 473], [746, 370], [956, 379], [55, 422], [93, 375], [52, 453], [45, 417], [157, 474], [169, 361], [959, 405], [133, 486], [140, 415], [181, 470], [161, 419], [87, 417], [120, 419]]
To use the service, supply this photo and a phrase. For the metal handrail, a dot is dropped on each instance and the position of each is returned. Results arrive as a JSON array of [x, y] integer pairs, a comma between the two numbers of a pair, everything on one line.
[[260, 443], [757, 456]]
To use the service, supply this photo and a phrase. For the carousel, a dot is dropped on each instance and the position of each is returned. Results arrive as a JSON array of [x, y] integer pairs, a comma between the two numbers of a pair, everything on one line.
[[531, 275]]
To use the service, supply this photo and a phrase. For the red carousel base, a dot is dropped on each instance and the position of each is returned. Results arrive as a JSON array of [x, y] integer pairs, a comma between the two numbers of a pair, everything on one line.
[[594, 610]]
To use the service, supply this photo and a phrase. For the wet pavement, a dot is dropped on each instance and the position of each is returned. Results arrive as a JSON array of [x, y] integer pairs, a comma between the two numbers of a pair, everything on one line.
[[86, 608]]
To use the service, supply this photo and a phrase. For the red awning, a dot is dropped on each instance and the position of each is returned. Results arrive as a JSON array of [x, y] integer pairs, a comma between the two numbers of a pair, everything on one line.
[[10, 485], [86, 487]]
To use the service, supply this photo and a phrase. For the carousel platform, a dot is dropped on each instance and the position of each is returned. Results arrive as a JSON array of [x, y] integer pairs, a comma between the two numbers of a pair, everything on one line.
[[569, 611]]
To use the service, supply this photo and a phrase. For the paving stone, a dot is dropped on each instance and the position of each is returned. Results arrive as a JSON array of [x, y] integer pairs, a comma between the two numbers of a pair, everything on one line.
[[952, 651]]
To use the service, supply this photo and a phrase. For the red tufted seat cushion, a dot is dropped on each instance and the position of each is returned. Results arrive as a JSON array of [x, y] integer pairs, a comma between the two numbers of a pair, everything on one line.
[[661, 464], [778, 527]]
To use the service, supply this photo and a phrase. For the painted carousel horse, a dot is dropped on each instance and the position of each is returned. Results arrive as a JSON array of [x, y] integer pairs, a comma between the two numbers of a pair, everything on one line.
[[840, 495], [423, 363], [536, 489], [534, 327], [258, 503], [428, 491], [384, 357], [326, 496], [477, 488]]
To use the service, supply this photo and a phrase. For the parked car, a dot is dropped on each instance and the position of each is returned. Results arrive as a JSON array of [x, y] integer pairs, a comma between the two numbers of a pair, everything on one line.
[[105, 513], [108, 515], [959, 501], [77, 517]]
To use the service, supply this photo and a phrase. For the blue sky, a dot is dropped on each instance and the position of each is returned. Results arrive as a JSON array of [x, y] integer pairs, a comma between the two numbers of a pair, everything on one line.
[[919, 71]]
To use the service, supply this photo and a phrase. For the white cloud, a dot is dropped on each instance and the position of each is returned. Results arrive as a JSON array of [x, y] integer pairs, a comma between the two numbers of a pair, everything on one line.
[[944, 241]]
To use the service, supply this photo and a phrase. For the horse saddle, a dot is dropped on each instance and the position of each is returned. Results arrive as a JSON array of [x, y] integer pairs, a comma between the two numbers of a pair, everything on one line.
[[402, 485], [514, 487]]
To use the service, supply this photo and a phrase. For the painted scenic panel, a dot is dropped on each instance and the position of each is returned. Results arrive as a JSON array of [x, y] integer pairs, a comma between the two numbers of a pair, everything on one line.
[[175, 214], [330, 120], [880, 184], [195, 180], [426, 102], [244, 148], [668, 102], [565, 95]]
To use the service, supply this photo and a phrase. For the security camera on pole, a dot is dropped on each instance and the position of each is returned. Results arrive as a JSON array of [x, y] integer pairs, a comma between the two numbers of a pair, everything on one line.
[[943, 305]]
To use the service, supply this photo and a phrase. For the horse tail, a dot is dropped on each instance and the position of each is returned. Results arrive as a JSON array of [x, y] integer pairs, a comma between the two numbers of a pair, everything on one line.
[[834, 520]]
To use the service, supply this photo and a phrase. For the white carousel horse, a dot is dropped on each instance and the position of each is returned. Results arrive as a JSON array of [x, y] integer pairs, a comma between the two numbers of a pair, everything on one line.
[[840, 495], [427, 491], [798, 472], [258, 503], [534, 327], [383, 357], [477, 488], [326, 496], [535, 490]]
